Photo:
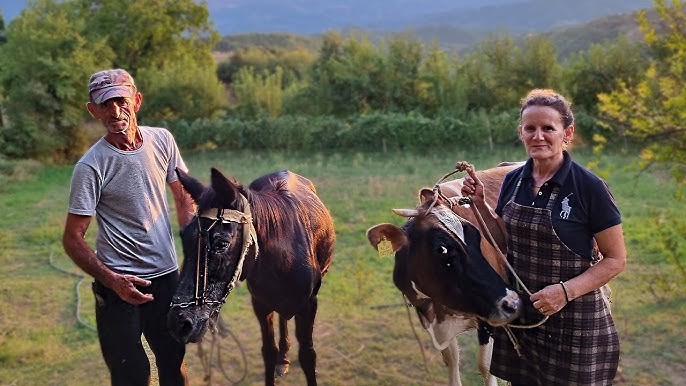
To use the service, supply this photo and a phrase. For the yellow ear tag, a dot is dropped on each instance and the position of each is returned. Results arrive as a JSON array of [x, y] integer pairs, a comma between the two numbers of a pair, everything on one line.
[[385, 248]]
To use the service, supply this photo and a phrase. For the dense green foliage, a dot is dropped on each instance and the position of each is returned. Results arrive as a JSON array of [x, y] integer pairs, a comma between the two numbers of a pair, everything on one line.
[[293, 97], [374, 131], [45, 66], [231, 43], [53, 47], [653, 110]]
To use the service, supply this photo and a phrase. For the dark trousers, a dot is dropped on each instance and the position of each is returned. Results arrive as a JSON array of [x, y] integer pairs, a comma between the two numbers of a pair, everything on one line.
[[120, 326]]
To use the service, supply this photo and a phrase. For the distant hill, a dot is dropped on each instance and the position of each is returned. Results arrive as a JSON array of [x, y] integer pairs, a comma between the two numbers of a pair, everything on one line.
[[568, 39], [534, 15], [315, 16], [311, 17], [455, 25]]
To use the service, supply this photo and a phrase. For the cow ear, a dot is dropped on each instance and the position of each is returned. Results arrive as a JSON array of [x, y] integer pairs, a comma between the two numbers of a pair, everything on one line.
[[425, 195], [225, 189], [389, 232], [190, 184]]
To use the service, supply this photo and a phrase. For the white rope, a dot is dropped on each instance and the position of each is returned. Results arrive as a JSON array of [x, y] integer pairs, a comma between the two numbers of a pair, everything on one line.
[[78, 292]]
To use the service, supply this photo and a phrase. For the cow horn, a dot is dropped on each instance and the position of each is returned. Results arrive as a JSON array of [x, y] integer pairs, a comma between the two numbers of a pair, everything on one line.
[[406, 212]]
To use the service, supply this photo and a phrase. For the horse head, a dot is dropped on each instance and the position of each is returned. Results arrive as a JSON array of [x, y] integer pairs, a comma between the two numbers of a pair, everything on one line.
[[219, 245]]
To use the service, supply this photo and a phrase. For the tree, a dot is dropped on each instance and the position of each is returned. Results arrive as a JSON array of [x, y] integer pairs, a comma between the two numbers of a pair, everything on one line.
[[152, 33], [3, 40], [53, 46], [346, 77], [534, 66], [653, 111], [438, 88], [259, 92], [403, 58], [45, 63], [180, 91], [602, 69], [486, 73]]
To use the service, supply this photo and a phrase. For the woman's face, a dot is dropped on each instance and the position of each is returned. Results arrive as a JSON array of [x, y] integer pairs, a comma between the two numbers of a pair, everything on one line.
[[543, 132]]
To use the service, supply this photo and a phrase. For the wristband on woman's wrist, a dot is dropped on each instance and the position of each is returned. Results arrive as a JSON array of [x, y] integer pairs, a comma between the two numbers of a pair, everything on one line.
[[564, 289]]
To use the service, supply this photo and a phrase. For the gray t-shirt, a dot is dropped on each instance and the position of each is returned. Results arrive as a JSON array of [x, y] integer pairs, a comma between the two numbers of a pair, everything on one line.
[[126, 190]]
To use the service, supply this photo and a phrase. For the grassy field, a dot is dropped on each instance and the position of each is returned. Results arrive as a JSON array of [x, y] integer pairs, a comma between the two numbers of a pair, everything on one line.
[[363, 335]]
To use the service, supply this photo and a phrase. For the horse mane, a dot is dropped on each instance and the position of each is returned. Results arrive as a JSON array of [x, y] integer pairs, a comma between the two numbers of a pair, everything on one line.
[[275, 202], [279, 205]]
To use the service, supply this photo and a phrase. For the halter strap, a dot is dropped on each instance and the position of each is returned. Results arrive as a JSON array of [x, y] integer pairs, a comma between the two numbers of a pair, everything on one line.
[[224, 216]]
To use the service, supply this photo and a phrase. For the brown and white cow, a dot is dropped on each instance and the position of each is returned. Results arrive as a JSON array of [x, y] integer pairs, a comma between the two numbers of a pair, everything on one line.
[[449, 272]]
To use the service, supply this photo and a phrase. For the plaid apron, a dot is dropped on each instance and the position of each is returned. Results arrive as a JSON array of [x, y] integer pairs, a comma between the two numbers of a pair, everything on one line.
[[576, 346]]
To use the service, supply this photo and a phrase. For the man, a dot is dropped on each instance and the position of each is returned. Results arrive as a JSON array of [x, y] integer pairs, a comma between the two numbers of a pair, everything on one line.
[[121, 181]]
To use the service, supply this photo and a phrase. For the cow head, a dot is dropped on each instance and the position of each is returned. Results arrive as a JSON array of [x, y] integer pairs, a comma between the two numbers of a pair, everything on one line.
[[438, 257]]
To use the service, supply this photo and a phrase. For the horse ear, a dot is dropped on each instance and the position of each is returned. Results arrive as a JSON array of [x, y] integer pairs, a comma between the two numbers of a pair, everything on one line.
[[190, 184], [226, 189]]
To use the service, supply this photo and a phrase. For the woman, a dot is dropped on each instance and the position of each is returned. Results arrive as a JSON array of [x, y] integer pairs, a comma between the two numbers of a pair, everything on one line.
[[552, 217]]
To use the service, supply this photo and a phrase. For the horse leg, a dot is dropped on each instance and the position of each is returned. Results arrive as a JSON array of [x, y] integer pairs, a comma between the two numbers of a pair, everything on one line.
[[269, 349], [283, 364], [304, 328]]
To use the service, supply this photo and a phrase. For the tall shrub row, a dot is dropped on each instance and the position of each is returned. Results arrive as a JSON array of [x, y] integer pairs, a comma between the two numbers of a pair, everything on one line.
[[375, 131]]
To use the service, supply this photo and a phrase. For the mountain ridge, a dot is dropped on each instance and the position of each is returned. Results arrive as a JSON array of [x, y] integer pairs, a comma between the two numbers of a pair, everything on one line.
[[311, 17]]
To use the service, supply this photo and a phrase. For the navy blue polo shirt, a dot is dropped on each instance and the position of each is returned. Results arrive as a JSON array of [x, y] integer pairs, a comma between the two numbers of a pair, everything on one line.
[[584, 205]]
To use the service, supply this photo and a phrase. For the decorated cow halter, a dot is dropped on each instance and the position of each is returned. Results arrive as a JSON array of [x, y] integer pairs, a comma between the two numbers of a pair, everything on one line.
[[224, 216]]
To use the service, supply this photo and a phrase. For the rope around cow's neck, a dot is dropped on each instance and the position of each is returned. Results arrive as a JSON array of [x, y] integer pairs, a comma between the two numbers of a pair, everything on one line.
[[461, 167]]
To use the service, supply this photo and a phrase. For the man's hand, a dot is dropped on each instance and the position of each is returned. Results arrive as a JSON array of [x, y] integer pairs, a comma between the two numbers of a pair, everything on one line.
[[125, 287]]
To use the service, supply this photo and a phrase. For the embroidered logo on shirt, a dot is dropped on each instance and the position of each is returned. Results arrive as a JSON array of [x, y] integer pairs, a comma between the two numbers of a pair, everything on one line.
[[566, 209]]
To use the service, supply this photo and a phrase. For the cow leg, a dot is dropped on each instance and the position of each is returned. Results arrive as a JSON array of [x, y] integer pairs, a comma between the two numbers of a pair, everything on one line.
[[484, 363], [269, 349], [484, 355], [451, 357], [283, 364], [304, 328]]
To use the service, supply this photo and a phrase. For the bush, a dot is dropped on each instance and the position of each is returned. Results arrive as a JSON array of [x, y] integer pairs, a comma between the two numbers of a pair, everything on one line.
[[375, 131]]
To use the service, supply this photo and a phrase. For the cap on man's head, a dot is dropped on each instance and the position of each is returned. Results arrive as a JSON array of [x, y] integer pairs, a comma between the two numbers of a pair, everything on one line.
[[108, 84]]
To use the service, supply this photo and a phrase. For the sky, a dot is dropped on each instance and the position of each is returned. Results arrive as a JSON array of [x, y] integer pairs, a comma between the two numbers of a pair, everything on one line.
[[11, 8]]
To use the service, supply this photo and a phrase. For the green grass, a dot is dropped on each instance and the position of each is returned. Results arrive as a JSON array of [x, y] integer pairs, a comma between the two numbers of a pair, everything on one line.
[[362, 335]]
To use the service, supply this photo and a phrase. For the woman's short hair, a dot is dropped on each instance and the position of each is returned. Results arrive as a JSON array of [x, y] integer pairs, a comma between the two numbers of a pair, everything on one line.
[[548, 97]]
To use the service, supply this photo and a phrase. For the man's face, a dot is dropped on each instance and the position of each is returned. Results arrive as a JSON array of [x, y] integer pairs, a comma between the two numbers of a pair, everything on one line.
[[116, 114]]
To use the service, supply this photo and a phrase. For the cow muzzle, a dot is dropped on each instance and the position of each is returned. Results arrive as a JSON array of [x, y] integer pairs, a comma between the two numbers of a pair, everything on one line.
[[507, 309]]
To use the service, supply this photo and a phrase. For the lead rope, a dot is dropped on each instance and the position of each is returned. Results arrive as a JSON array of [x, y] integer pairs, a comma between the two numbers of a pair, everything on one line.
[[461, 167]]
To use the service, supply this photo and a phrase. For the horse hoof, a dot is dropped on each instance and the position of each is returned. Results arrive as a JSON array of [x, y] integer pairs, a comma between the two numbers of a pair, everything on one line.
[[282, 369]]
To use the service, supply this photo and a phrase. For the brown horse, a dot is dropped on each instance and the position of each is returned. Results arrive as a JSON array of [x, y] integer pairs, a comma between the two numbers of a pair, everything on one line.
[[278, 236]]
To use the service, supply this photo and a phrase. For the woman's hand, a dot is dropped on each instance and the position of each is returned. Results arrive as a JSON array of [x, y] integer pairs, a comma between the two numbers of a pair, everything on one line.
[[550, 299], [472, 185]]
